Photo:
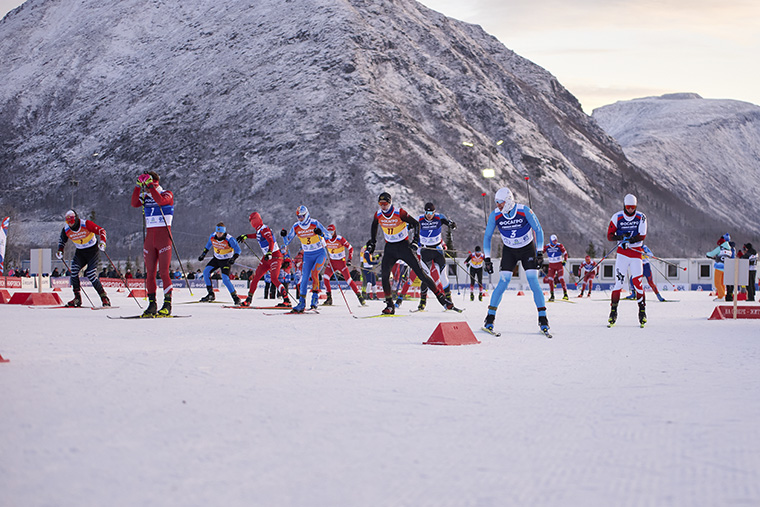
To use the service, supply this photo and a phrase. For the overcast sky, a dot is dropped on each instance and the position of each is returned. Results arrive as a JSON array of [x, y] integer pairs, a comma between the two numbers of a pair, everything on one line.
[[609, 50]]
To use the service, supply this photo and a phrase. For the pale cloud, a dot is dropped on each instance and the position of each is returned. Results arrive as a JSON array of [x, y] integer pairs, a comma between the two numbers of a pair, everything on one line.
[[608, 50]]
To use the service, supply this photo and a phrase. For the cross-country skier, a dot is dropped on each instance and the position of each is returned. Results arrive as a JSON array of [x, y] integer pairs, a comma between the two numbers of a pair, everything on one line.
[[750, 253], [369, 279], [628, 228], [158, 211], [395, 224], [271, 262], [556, 255], [311, 234], [89, 239], [474, 262], [432, 247], [340, 253], [226, 252], [520, 232], [647, 270], [587, 271]]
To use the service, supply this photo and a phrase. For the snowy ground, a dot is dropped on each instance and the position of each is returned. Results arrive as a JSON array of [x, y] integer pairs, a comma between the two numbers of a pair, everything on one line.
[[231, 407]]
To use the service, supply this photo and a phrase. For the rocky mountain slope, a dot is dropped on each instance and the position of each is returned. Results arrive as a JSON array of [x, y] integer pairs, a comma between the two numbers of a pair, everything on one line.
[[705, 150], [265, 105]]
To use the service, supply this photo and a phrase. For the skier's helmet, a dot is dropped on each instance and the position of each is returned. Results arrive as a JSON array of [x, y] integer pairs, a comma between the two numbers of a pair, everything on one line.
[[477, 248], [629, 203], [429, 208], [331, 231], [385, 197], [255, 220], [727, 237], [504, 195], [71, 218], [588, 258], [303, 214], [553, 238]]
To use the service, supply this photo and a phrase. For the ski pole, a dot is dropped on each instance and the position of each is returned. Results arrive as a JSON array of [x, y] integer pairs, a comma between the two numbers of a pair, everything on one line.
[[668, 262], [176, 252], [122, 279], [663, 275], [335, 275], [527, 182], [260, 261], [80, 286]]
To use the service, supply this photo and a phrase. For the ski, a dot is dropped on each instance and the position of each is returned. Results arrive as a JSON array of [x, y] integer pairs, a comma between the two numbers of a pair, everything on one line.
[[546, 333], [291, 312], [561, 301], [148, 318], [416, 310], [381, 315], [80, 307], [454, 309], [238, 307], [196, 302], [490, 331]]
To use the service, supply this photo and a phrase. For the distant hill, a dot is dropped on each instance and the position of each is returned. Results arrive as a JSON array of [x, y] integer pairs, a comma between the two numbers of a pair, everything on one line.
[[707, 151]]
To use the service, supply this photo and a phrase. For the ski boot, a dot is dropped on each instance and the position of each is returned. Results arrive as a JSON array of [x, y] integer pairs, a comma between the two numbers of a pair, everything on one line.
[[660, 298], [76, 302], [301, 306], [447, 292], [480, 296], [543, 323], [390, 308], [565, 297], [423, 303], [613, 316], [642, 314], [166, 309], [551, 297], [361, 299], [314, 301], [364, 294], [104, 300], [490, 318], [152, 309], [210, 296], [580, 295], [235, 299], [398, 302], [248, 301], [328, 301], [472, 296], [285, 302], [630, 296]]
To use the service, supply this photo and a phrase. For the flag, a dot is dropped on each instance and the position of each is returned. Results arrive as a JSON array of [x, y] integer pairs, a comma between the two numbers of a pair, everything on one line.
[[3, 240]]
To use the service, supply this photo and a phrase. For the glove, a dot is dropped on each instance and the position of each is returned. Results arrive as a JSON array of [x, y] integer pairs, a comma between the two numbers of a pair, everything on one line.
[[241, 238], [59, 254], [371, 245], [539, 258], [415, 245], [102, 245], [318, 232], [489, 266], [625, 244], [452, 225], [234, 258], [202, 255], [283, 233], [267, 256], [144, 180], [564, 262]]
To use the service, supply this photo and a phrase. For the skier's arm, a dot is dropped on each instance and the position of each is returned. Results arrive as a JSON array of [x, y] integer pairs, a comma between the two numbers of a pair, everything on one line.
[[62, 240], [136, 201], [412, 223], [536, 225], [373, 229], [234, 244]]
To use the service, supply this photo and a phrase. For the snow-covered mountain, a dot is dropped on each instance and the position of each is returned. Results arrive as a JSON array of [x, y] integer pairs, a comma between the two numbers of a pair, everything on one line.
[[265, 105], [705, 150]]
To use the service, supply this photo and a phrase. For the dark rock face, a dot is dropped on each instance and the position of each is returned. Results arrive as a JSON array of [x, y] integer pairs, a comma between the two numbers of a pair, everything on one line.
[[264, 106]]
